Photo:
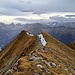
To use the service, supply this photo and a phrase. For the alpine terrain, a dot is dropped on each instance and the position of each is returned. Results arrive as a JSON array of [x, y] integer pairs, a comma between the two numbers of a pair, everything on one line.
[[39, 54], [63, 31]]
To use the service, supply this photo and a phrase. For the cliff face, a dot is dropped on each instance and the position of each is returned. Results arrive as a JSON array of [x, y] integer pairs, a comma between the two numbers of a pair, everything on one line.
[[40, 54]]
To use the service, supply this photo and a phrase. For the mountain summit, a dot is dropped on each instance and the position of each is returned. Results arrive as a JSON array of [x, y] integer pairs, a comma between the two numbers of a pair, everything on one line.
[[39, 54]]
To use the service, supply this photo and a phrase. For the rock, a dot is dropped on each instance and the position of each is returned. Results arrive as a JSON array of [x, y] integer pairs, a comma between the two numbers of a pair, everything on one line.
[[34, 73], [35, 55], [73, 73], [30, 59], [47, 63], [39, 55], [49, 72], [41, 49], [9, 72], [66, 69], [35, 58], [53, 65], [32, 52], [70, 73], [39, 66], [15, 66]]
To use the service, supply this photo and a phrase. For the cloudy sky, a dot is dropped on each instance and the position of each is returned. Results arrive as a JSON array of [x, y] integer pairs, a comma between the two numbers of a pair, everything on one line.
[[29, 11]]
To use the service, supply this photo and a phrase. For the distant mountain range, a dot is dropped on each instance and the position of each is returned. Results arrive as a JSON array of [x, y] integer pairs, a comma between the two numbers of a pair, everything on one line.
[[63, 31], [39, 54]]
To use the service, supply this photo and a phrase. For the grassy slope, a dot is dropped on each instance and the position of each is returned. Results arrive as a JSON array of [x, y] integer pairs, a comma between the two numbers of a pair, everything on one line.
[[14, 50], [60, 52], [55, 52]]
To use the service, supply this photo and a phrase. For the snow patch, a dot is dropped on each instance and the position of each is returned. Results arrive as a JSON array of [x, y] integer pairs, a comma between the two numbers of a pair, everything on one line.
[[42, 39], [29, 34]]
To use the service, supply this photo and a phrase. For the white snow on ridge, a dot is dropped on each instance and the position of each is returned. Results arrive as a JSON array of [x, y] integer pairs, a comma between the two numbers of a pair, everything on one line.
[[42, 39], [29, 34]]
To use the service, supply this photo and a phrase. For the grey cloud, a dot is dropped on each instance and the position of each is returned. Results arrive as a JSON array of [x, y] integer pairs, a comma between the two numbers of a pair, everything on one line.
[[31, 20], [5, 12], [24, 10], [37, 6], [13, 12], [39, 12], [70, 16], [41, 6], [9, 7], [61, 18], [20, 19], [23, 2]]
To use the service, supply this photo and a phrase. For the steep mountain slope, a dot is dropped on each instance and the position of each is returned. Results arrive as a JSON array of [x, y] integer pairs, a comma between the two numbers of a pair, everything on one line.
[[72, 45], [37, 55], [14, 50]]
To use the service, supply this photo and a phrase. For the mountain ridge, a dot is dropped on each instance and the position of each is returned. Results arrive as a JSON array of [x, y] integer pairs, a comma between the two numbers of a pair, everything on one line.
[[37, 54], [8, 31]]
